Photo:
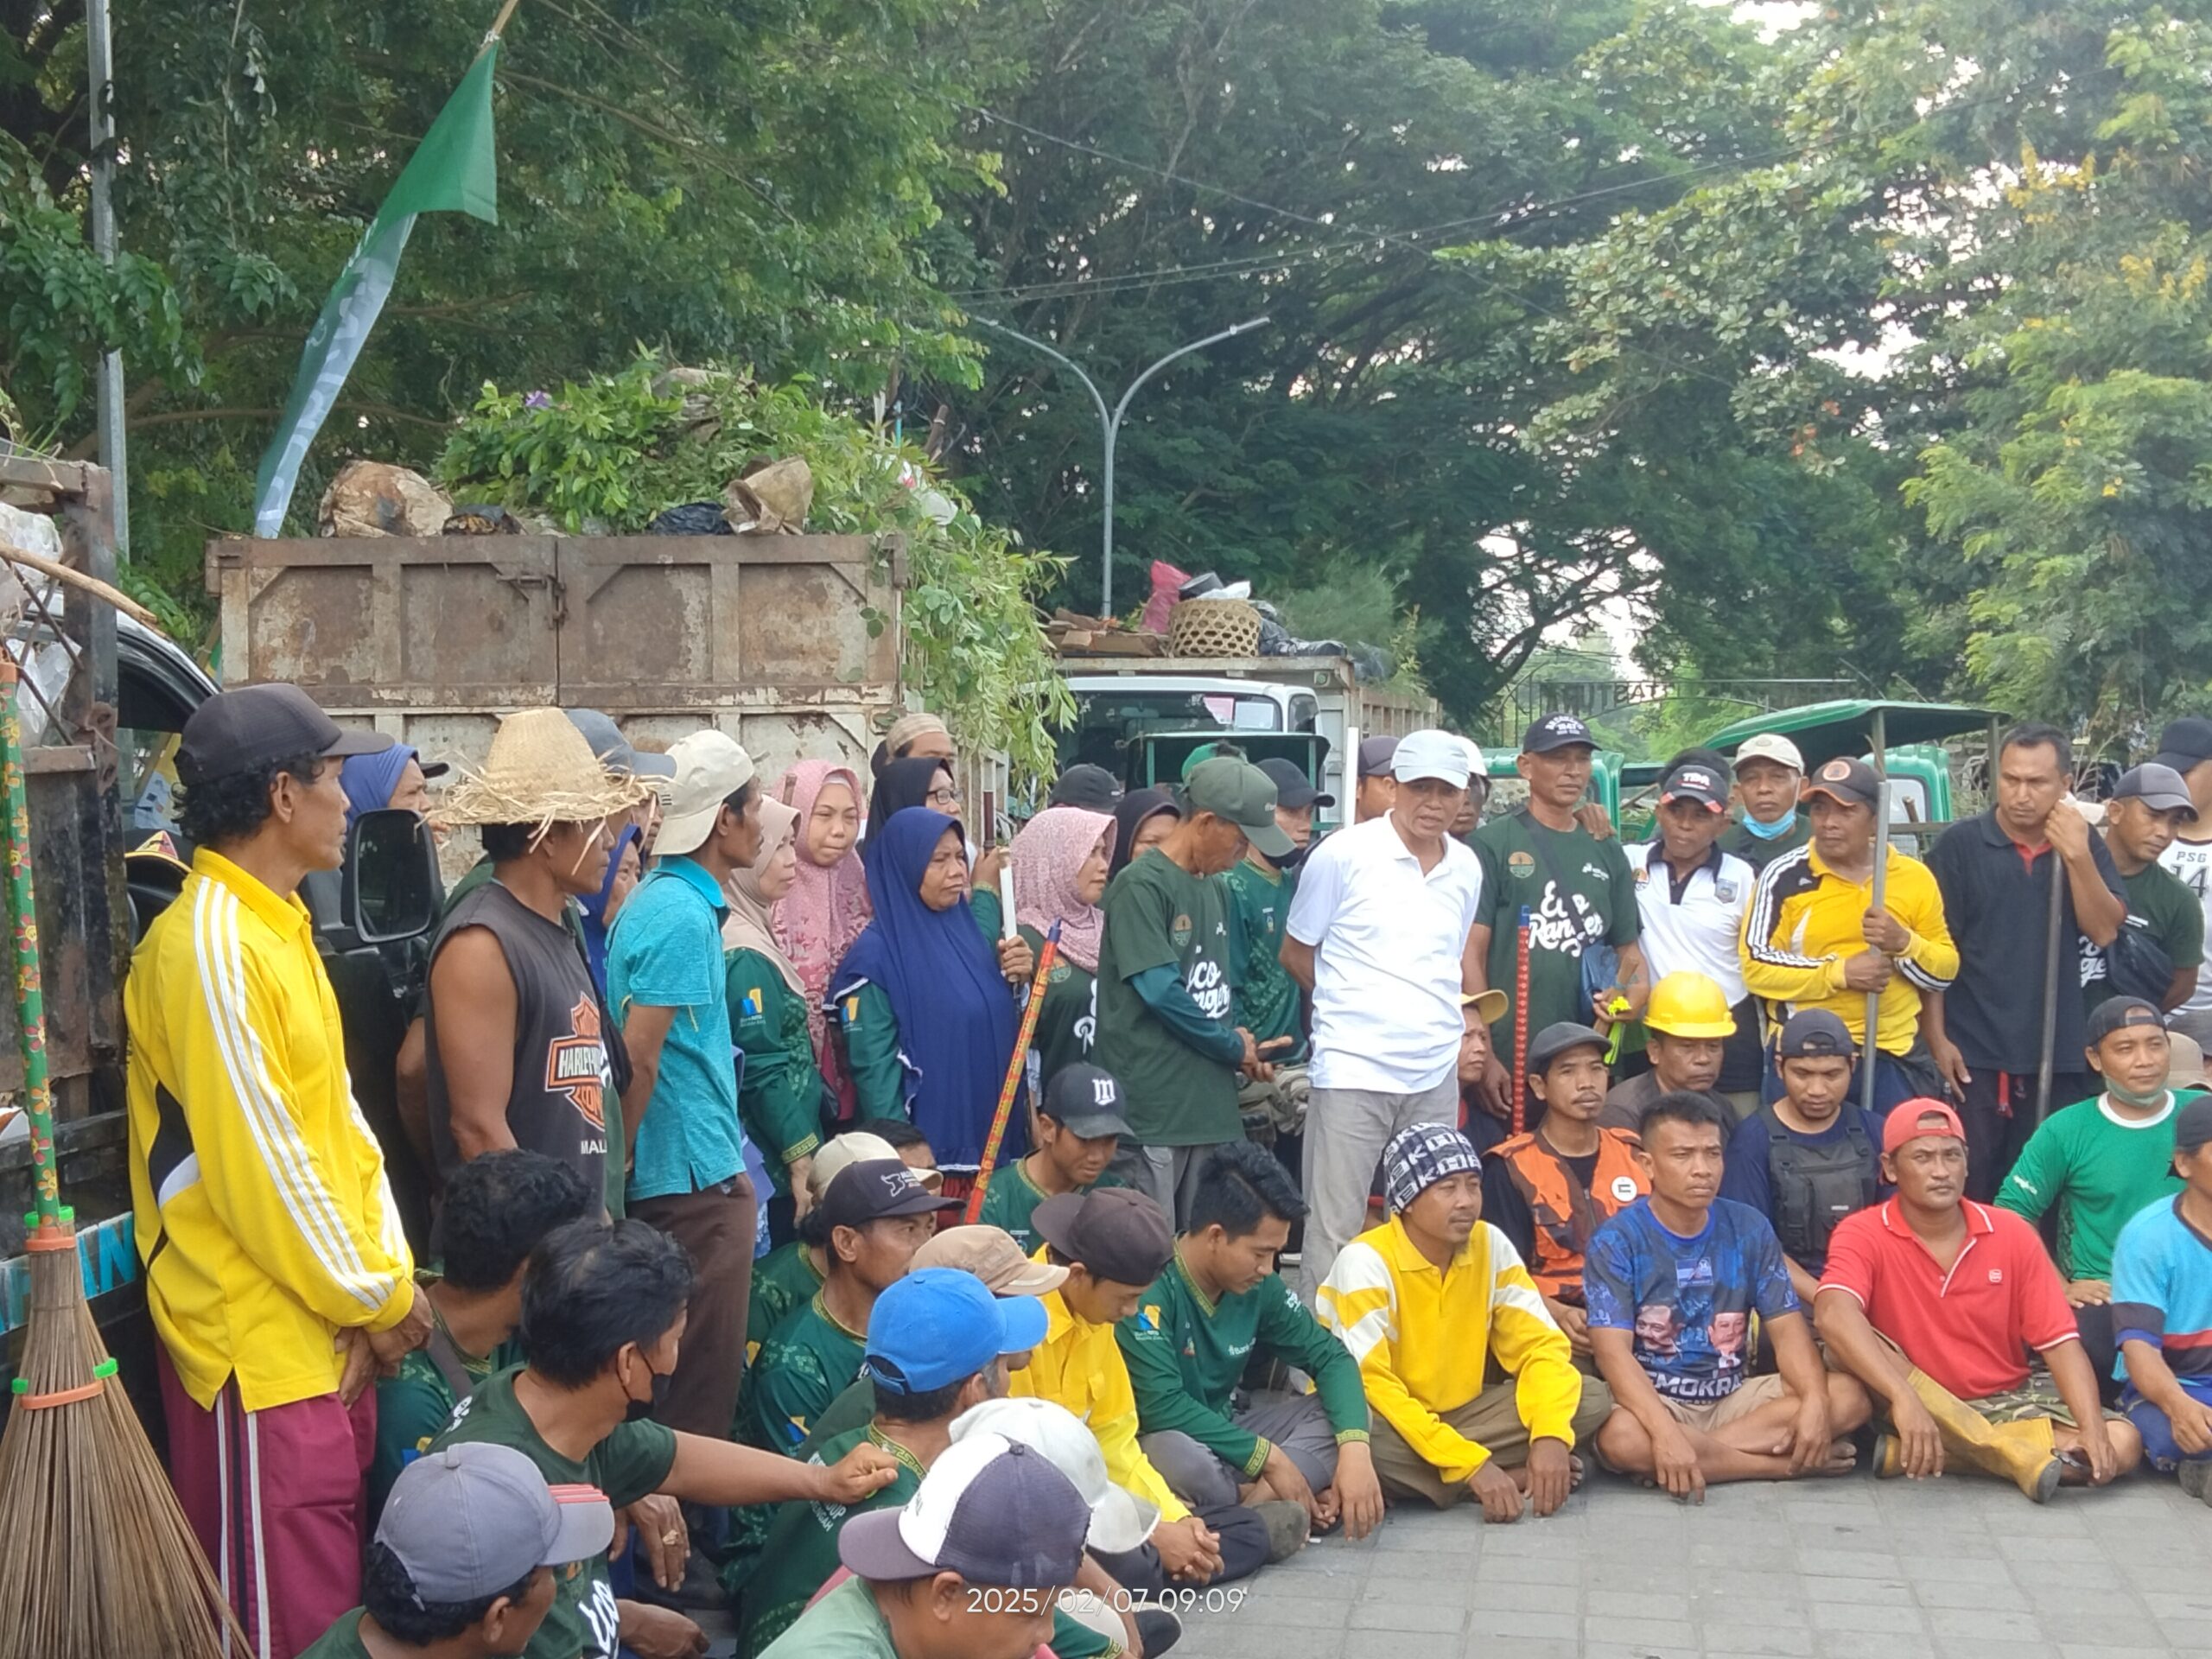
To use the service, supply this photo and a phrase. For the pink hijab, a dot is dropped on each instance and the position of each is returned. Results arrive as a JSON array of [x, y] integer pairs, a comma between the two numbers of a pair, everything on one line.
[[1048, 855], [826, 910]]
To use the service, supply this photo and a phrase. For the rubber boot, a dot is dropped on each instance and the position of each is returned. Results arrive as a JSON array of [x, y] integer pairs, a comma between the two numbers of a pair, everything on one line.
[[2023, 1453]]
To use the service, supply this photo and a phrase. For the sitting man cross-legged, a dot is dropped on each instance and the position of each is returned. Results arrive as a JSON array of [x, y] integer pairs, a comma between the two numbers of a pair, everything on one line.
[[2162, 1309], [1218, 1304], [1942, 1337], [1672, 1284], [1425, 1302]]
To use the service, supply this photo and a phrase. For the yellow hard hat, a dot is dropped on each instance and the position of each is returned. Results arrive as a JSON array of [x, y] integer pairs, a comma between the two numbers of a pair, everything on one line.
[[1686, 1004]]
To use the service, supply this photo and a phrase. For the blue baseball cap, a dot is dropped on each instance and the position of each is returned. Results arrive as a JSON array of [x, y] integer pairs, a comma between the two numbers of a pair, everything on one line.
[[937, 1325]]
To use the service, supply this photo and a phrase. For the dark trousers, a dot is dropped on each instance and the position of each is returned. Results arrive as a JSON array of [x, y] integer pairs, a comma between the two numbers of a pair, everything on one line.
[[2101, 1342], [1243, 1552], [716, 1226], [1999, 1115]]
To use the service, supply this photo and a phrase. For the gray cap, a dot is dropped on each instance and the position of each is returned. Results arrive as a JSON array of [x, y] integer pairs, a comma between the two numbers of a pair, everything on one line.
[[477, 1519], [613, 750], [257, 725], [1558, 1037], [2160, 788], [993, 1510], [1374, 756]]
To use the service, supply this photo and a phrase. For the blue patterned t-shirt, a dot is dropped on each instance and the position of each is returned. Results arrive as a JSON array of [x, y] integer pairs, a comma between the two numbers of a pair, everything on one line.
[[1687, 1301]]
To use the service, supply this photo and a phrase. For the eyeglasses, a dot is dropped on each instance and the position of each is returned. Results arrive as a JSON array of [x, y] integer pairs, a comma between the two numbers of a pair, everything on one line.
[[941, 796]]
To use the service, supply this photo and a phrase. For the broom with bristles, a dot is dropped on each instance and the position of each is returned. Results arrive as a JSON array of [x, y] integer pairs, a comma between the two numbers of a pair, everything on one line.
[[99, 1562]]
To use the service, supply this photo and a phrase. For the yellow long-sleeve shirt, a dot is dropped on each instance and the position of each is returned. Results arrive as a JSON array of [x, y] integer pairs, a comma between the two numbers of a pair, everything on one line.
[[1803, 925], [1423, 1337], [259, 1192], [1080, 1367]]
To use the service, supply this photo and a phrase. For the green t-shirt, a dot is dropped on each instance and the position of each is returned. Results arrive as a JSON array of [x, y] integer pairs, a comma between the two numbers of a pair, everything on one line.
[[1067, 1024], [805, 1363], [1578, 890], [1187, 1353], [2168, 913], [1012, 1198], [781, 1280], [341, 1640], [1268, 1001], [412, 1407], [1158, 914], [630, 1463], [779, 1092], [2100, 1171], [844, 1625], [801, 1552]]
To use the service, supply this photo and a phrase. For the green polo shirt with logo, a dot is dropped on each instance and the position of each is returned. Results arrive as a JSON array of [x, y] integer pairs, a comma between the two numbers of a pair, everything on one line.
[[1158, 914]]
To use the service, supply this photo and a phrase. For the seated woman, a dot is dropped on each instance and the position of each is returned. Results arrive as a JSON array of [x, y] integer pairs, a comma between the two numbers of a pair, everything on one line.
[[781, 1096], [924, 999]]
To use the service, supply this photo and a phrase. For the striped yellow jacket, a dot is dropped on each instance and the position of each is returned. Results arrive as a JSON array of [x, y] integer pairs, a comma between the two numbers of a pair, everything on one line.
[[1422, 1338], [259, 1194]]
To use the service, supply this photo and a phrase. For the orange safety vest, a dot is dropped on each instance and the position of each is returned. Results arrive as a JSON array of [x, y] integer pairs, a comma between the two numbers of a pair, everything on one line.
[[1566, 1213]]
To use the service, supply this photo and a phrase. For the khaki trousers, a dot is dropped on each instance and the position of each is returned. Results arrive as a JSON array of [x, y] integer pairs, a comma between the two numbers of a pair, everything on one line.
[[1491, 1420]]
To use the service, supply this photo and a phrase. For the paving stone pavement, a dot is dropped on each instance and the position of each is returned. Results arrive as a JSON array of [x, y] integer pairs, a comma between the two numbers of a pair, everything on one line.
[[1960, 1568]]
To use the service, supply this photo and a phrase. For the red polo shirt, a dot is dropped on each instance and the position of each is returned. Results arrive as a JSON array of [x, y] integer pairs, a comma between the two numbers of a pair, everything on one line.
[[1971, 1328]]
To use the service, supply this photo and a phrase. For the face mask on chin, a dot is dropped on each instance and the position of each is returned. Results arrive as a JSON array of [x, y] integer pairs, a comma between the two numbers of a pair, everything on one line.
[[2126, 1096], [1775, 831]]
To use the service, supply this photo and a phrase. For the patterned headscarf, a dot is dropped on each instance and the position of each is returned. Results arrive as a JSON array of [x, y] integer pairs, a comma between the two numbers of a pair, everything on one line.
[[826, 909], [1418, 1158], [1048, 855]]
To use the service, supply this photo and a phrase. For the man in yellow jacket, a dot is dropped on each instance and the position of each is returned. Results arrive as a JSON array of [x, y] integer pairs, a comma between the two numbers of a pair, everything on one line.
[[275, 1270], [1424, 1302]]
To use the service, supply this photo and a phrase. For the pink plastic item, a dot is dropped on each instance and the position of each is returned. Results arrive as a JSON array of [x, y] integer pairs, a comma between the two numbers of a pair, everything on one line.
[[1165, 578]]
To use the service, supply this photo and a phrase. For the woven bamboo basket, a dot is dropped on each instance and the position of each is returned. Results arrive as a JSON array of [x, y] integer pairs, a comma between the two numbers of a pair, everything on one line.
[[1214, 627]]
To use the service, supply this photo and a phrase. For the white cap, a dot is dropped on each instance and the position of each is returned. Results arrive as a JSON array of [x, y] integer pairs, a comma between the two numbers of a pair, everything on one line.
[[1477, 766], [1431, 754], [710, 767], [840, 1152], [1771, 746], [1120, 1520]]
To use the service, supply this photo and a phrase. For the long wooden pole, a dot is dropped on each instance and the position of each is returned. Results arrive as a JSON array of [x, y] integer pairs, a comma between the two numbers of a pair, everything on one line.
[[1015, 1066], [1869, 1053]]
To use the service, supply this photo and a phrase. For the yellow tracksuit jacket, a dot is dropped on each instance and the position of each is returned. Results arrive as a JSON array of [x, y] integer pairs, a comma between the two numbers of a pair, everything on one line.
[[1422, 1338], [260, 1194], [1080, 1366]]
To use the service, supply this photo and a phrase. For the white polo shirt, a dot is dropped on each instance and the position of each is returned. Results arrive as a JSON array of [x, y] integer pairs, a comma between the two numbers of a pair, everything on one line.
[[1694, 926], [1388, 942]]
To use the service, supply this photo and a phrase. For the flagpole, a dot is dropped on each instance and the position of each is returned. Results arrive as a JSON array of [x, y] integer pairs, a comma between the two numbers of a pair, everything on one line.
[[499, 27], [99, 61]]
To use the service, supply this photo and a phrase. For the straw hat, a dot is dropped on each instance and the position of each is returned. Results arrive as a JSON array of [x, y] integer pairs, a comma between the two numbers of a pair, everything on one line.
[[541, 771]]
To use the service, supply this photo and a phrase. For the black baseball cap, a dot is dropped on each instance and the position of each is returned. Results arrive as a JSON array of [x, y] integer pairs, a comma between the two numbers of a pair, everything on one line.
[[1693, 782], [1852, 782], [1555, 732], [1116, 1232], [1812, 1034], [1092, 788], [1086, 1102], [2157, 787], [2193, 1124], [1559, 1037], [875, 1188], [1374, 756], [1293, 789], [257, 725], [2184, 743], [2118, 1012]]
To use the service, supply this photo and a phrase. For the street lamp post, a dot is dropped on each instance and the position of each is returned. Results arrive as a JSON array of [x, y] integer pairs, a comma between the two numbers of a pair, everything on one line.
[[1110, 424]]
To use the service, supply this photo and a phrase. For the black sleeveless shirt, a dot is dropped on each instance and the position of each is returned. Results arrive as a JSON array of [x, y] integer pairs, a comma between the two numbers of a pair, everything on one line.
[[557, 1102]]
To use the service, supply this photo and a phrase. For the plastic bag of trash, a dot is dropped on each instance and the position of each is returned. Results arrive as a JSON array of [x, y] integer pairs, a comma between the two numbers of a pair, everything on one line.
[[692, 519]]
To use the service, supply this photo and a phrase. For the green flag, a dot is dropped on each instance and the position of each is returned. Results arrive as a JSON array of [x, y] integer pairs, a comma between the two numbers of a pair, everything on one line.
[[453, 171]]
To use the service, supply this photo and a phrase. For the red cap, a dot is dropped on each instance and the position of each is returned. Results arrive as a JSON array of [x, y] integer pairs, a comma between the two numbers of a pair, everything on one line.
[[1903, 1122]]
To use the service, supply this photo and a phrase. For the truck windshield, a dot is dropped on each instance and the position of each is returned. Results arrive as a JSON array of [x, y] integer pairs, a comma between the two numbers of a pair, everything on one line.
[[1108, 723]]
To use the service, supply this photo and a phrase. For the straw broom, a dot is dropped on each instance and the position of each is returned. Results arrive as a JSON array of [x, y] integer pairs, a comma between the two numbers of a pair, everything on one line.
[[100, 1562]]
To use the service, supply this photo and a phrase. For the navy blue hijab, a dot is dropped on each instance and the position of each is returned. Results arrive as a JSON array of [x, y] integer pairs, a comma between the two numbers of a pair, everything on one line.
[[955, 1014]]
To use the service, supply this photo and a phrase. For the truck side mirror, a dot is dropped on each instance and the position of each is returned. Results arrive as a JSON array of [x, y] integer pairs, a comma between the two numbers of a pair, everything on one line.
[[390, 889]]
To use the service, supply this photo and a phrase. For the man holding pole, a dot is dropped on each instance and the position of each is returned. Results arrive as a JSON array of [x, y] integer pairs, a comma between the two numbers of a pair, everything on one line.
[[1818, 935], [1579, 895], [2007, 1034]]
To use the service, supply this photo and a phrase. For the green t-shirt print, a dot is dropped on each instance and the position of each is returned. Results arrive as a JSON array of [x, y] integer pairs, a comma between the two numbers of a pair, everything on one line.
[[1578, 890], [1158, 914]]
